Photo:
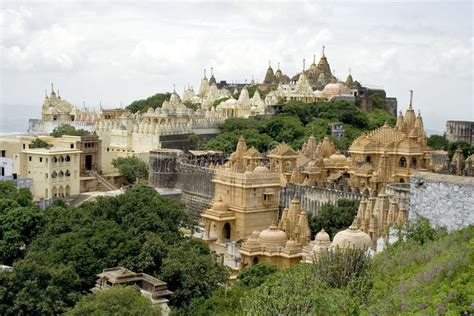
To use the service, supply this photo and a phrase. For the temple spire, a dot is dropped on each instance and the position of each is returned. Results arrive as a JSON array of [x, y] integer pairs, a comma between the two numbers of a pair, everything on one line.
[[323, 51], [411, 98]]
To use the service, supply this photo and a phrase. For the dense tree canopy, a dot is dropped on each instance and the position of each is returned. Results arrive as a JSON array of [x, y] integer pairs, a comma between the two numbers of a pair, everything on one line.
[[296, 122], [131, 168], [66, 129], [117, 300], [143, 105], [67, 247], [334, 218]]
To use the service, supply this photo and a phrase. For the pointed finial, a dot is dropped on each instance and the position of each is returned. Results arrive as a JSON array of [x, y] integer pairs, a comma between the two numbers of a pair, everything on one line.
[[278, 65], [174, 87], [314, 59], [52, 87], [323, 50], [419, 113], [58, 94], [269, 64], [411, 97], [212, 71], [204, 73], [350, 71], [304, 61]]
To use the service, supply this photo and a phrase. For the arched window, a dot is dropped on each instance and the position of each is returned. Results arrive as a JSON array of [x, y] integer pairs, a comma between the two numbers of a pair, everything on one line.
[[60, 159], [68, 158], [55, 159], [403, 162], [54, 174], [368, 159], [413, 163], [68, 174], [254, 260], [61, 174]]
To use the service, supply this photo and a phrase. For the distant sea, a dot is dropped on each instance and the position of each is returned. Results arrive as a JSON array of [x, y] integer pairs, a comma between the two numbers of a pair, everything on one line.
[[14, 118]]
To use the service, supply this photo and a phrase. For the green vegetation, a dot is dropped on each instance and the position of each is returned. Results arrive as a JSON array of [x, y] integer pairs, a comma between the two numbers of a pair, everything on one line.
[[57, 253], [296, 122], [426, 272], [438, 142], [334, 218], [131, 168], [66, 129], [39, 143], [143, 105], [115, 301]]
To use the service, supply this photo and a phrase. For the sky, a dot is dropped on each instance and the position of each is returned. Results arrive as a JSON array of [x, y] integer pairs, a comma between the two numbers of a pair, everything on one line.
[[114, 52]]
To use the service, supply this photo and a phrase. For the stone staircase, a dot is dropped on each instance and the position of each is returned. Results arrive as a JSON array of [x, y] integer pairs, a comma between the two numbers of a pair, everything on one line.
[[109, 186]]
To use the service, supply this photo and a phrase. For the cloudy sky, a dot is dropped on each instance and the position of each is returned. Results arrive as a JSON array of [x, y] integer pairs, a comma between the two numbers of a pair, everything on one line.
[[119, 51]]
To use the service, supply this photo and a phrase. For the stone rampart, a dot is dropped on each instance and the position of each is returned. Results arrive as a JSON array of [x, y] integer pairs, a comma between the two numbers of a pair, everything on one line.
[[445, 200], [313, 198]]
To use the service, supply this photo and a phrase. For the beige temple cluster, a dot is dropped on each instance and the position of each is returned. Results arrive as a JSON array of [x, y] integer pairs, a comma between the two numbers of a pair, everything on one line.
[[246, 209], [385, 155]]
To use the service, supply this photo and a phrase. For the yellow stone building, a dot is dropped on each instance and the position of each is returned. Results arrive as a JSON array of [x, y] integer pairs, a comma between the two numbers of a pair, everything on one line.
[[280, 244], [246, 199], [54, 172]]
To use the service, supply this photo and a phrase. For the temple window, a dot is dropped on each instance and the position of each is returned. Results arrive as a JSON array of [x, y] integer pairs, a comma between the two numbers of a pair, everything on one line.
[[368, 159], [413, 162], [54, 174], [68, 158], [403, 162]]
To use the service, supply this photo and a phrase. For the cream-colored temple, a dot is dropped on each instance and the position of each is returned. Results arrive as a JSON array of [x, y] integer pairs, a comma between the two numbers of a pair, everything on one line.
[[246, 199]]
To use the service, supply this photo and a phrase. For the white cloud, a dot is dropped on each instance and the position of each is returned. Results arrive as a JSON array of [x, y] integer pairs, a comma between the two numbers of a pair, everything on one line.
[[109, 51]]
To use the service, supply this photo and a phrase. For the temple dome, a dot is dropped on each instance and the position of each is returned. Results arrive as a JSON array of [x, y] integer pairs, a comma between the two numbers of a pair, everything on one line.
[[322, 236], [338, 157], [352, 237], [273, 237], [334, 89], [219, 205], [261, 169]]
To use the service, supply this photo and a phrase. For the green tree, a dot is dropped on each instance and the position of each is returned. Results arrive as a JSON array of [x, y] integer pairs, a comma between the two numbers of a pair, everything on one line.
[[297, 109], [115, 300], [283, 128], [334, 218], [143, 105], [378, 117], [438, 142], [66, 129], [467, 149], [191, 273], [254, 276], [377, 101], [131, 168], [237, 124], [39, 143]]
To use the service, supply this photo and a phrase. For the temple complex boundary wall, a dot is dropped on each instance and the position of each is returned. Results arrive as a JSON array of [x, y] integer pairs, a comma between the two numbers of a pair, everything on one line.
[[445, 200]]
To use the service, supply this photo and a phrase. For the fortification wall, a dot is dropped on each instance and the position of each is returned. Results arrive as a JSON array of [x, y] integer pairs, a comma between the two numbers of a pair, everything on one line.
[[197, 188], [313, 198], [445, 200]]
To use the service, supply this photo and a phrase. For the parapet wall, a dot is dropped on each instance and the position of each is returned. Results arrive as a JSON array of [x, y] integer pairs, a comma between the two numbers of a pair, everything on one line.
[[445, 200], [313, 198]]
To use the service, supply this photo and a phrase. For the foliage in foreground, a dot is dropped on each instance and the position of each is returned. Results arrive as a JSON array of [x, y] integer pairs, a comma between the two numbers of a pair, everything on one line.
[[39, 143], [429, 275], [67, 247], [115, 300]]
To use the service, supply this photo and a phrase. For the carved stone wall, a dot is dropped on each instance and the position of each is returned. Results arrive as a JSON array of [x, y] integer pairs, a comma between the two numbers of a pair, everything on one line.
[[313, 198]]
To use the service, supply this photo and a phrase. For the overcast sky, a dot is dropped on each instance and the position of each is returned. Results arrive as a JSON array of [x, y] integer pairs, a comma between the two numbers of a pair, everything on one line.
[[119, 51]]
